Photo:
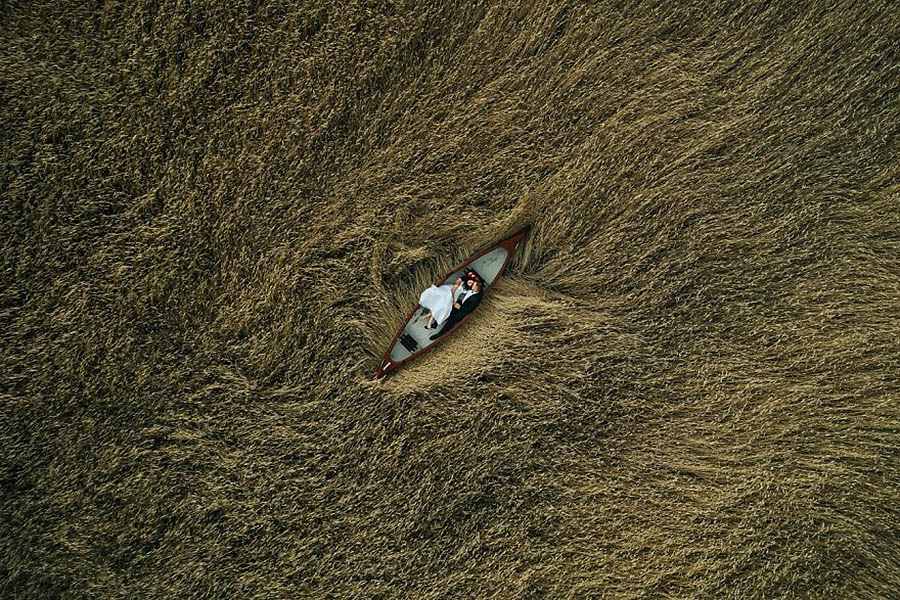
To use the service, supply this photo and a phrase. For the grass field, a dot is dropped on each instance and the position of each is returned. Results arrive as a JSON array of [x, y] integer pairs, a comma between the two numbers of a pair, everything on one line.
[[214, 218]]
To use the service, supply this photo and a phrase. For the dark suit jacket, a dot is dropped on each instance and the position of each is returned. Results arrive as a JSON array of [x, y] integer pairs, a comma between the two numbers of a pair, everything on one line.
[[469, 305], [457, 314]]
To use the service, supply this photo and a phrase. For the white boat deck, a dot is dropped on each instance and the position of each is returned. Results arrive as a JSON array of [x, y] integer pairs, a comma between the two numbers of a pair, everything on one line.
[[488, 266]]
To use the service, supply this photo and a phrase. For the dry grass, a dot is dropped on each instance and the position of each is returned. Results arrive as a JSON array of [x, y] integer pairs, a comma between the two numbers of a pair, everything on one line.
[[213, 219]]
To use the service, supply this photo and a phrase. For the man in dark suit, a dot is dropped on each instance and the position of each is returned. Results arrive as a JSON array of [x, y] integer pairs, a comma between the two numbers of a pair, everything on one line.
[[467, 301]]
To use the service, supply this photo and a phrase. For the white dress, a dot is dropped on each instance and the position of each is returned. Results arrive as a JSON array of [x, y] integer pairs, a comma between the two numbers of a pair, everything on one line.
[[439, 300]]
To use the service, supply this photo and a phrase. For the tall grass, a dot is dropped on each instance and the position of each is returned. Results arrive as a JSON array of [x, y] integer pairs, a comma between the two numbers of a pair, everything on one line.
[[214, 218]]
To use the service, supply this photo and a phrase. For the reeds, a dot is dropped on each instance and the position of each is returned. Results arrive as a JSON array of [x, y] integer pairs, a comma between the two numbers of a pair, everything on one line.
[[214, 218]]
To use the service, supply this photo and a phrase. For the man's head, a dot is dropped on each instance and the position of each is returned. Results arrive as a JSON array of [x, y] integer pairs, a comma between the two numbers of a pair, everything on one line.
[[476, 286]]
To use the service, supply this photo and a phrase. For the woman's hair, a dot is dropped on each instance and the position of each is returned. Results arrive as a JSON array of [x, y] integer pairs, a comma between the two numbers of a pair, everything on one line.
[[469, 277]]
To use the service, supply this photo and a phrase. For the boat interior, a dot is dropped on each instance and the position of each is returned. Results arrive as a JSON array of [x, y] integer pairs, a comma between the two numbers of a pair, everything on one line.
[[415, 336]]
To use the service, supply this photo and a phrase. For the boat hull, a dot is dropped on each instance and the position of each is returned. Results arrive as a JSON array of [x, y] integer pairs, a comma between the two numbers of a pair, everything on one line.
[[412, 339]]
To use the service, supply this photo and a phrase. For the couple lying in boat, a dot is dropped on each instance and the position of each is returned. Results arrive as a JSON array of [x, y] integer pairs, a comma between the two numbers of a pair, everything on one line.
[[446, 305]]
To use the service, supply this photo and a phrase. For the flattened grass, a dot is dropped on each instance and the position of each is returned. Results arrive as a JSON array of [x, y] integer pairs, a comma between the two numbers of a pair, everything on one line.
[[214, 218]]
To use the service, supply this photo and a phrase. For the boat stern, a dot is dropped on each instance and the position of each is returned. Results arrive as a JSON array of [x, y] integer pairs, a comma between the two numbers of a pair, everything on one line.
[[383, 370]]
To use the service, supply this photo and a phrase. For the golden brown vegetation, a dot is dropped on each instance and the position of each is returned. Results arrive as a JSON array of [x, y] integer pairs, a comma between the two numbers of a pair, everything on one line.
[[214, 216]]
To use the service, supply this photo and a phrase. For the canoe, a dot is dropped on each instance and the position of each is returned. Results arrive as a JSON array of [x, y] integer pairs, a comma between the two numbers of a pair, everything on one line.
[[412, 339]]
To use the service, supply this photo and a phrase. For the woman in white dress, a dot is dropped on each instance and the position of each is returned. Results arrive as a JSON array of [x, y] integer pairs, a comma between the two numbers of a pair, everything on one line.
[[437, 302]]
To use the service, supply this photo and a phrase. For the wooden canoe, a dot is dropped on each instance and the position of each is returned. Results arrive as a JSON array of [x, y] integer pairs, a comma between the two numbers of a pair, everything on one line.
[[489, 263]]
